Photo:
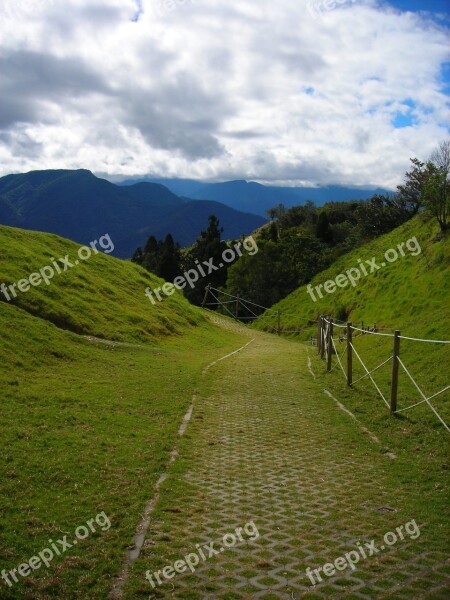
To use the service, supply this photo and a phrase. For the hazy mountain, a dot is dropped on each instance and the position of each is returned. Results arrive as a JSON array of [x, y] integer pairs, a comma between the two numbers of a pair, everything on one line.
[[79, 206], [253, 197], [182, 187]]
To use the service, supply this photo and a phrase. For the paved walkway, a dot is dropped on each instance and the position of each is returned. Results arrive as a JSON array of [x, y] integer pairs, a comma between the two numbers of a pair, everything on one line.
[[266, 445]]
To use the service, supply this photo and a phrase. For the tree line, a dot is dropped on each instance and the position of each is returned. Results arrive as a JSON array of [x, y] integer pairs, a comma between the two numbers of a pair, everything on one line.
[[299, 242]]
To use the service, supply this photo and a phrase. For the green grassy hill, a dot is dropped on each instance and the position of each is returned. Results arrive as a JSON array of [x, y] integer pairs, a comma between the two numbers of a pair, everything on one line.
[[101, 296], [411, 295], [87, 425]]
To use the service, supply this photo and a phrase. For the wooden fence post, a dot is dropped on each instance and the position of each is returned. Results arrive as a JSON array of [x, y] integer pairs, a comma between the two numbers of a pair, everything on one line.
[[330, 344], [319, 333], [323, 342], [237, 306], [206, 295], [394, 382], [279, 322], [349, 355]]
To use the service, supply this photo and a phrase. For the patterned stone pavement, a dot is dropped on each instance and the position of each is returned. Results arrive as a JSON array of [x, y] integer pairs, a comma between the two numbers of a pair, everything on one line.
[[265, 445]]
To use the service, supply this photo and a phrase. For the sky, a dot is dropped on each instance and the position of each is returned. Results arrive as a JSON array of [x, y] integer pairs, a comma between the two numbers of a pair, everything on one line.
[[292, 92]]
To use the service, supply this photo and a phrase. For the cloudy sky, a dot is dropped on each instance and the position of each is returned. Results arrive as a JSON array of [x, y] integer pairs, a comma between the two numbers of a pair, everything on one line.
[[304, 92]]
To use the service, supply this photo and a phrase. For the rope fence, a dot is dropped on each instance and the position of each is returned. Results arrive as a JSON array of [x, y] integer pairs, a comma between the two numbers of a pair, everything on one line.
[[326, 345], [242, 304]]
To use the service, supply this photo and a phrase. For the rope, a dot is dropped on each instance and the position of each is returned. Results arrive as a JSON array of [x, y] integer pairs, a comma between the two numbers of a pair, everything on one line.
[[324, 334], [265, 316], [343, 352], [366, 331], [373, 370], [241, 299], [340, 326], [401, 336], [371, 378], [249, 310], [221, 292], [422, 340], [422, 401], [215, 298], [423, 396], [337, 356], [216, 303]]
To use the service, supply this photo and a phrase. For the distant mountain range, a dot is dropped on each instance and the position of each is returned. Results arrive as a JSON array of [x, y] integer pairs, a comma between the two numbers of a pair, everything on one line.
[[80, 206], [256, 198]]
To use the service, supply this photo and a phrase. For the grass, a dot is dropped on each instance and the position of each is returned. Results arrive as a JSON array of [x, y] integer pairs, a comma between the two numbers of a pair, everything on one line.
[[266, 444], [410, 295], [101, 296], [87, 426]]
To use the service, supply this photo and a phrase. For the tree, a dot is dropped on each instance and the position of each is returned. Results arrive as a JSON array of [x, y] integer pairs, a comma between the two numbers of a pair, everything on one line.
[[272, 213], [264, 278], [380, 214], [269, 232], [161, 258], [138, 256], [298, 215], [409, 194], [441, 156], [276, 212], [207, 247], [151, 255], [169, 259], [151, 247], [437, 189], [437, 195], [323, 229]]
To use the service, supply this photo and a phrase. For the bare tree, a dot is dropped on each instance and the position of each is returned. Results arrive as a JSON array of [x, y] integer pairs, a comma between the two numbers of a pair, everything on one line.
[[437, 187], [441, 156]]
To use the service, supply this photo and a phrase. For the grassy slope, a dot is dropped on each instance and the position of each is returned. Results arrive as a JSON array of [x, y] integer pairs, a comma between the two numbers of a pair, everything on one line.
[[87, 426], [102, 296], [410, 295]]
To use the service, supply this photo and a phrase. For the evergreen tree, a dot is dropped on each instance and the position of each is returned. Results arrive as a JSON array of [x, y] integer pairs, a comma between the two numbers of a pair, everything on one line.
[[138, 256], [323, 229], [161, 258], [168, 259], [207, 246]]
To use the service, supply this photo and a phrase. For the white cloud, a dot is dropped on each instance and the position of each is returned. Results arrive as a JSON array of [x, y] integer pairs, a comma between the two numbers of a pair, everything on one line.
[[207, 89]]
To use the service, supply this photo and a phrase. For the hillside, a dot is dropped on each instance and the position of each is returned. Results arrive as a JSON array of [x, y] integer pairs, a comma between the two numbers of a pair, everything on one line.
[[411, 292], [87, 424], [410, 295], [90, 425], [86, 298], [74, 204]]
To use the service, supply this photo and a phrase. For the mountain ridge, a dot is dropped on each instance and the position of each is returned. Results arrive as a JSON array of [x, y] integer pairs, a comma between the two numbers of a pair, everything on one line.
[[257, 198], [72, 204]]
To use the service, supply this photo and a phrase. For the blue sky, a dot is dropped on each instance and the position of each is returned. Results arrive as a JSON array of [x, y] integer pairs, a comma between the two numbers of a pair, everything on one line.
[[417, 5], [289, 92], [439, 7]]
